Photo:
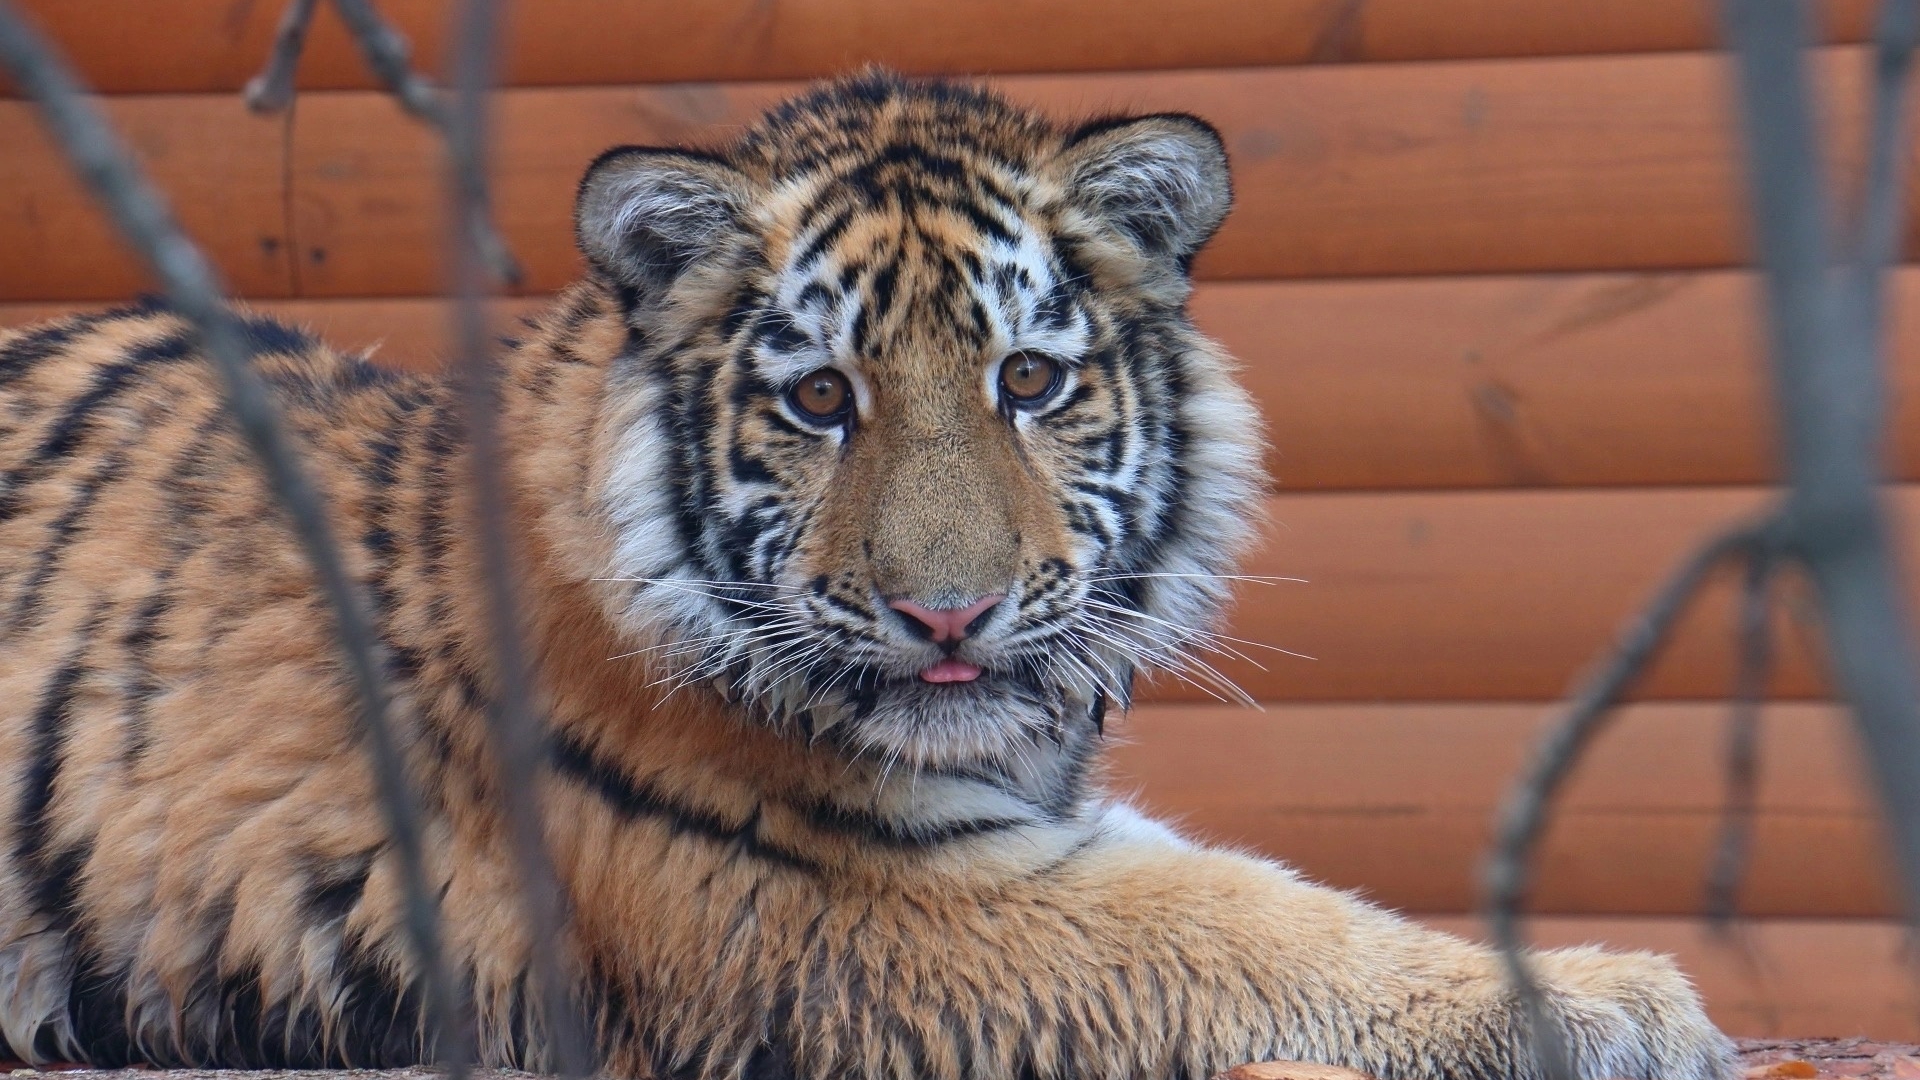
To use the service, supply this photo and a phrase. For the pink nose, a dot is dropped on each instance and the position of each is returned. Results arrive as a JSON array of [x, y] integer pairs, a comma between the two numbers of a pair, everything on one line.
[[950, 624]]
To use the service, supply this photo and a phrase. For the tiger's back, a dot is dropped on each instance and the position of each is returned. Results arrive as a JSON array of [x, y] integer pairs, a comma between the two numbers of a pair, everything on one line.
[[177, 748]]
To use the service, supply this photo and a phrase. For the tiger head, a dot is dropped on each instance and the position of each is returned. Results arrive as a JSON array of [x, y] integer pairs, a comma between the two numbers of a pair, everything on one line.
[[914, 447]]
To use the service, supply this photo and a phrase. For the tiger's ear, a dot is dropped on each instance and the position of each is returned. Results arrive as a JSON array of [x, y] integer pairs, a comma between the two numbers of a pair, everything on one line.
[[645, 215], [1161, 181]]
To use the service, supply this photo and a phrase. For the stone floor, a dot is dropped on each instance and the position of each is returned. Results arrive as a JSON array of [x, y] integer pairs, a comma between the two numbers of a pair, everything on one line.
[[1764, 1059], [1807, 1059]]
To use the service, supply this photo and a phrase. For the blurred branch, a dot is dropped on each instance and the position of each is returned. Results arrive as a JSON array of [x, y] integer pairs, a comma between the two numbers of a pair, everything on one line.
[[386, 54], [1826, 347], [518, 742], [272, 89], [516, 735], [1754, 644], [1826, 340], [1524, 816], [142, 217]]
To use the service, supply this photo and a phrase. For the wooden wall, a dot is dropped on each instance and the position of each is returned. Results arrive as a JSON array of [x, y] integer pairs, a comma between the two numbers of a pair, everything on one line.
[[1484, 273]]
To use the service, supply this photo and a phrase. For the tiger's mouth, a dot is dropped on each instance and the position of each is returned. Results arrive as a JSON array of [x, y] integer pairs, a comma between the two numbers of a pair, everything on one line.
[[868, 710], [950, 670]]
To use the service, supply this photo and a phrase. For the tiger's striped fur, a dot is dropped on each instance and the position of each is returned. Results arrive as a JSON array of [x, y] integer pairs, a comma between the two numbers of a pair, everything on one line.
[[788, 852]]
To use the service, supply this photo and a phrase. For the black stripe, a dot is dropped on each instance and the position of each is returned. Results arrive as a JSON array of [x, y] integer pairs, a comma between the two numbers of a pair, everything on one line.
[[40, 342], [264, 335], [633, 801], [52, 877], [826, 235], [982, 220], [376, 1023], [141, 686], [27, 605], [334, 887], [838, 819], [433, 532], [73, 426], [692, 417], [22, 352], [381, 471]]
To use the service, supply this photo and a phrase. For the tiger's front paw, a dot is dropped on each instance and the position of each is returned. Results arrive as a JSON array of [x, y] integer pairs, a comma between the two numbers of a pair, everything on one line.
[[1631, 1015]]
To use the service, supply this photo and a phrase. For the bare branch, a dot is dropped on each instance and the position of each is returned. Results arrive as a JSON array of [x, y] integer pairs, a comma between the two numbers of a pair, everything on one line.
[[142, 217], [1524, 816], [386, 54], [1826, 356], [1826, 342], [272, 89], [519, 747], [1755, 648]]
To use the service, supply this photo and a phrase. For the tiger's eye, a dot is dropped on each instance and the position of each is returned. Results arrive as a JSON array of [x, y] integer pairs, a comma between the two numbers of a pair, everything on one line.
[[822, 395], [1028, 378]]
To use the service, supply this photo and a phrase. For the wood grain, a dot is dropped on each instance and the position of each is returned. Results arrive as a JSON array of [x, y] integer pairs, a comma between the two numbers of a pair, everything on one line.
[[1473, 167], [1617, 163], [1538, 381], [1398, 801], [1777, 977], [220, 167], [1545, 380], [145, 46], [1474, 596]]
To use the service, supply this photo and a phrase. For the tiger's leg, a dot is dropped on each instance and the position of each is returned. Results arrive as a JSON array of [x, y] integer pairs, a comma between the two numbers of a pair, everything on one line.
[[1161, 959], [1138, 956]]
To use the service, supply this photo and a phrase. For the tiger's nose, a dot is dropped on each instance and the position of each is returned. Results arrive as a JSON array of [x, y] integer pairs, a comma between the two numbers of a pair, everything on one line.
[[947, 625]]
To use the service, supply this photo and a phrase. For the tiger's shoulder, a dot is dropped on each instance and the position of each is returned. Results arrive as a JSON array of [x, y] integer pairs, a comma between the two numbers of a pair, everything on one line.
[[78, 373], [117, 451]]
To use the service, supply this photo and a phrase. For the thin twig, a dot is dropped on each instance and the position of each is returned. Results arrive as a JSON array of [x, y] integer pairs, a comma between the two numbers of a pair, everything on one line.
[[386, 54], [195, 291], [1754, 639], [518, 743], [1524, 815], [272, 89]]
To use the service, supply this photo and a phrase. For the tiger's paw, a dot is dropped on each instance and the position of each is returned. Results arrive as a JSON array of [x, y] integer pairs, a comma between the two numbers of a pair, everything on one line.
[[1631, 1016]]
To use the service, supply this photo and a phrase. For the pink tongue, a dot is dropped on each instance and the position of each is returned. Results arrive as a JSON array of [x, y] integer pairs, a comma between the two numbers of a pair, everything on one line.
[[951, 671]]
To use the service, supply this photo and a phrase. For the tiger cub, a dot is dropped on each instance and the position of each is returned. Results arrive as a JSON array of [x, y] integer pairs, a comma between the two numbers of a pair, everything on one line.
[[871, 460]]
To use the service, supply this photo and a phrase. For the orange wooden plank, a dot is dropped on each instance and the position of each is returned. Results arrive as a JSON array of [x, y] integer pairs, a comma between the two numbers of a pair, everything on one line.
[[215, 45], [1493, 166], [1776, 978], [220, 167], [1490, 595], [1398, 801], [1548, 380], [1468, 597]]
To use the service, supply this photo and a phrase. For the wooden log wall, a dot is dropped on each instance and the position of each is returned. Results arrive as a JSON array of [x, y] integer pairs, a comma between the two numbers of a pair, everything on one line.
[[1485, 277]]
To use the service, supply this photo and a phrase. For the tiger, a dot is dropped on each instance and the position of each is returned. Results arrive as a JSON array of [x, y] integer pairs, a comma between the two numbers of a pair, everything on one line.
[[868, 466]]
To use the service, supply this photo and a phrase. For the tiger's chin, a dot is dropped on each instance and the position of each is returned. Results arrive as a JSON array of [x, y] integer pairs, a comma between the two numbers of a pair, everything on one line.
[[994, 722]]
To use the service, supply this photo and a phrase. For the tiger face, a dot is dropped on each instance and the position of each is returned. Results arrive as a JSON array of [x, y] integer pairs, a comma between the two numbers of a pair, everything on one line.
[[914, 447]]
